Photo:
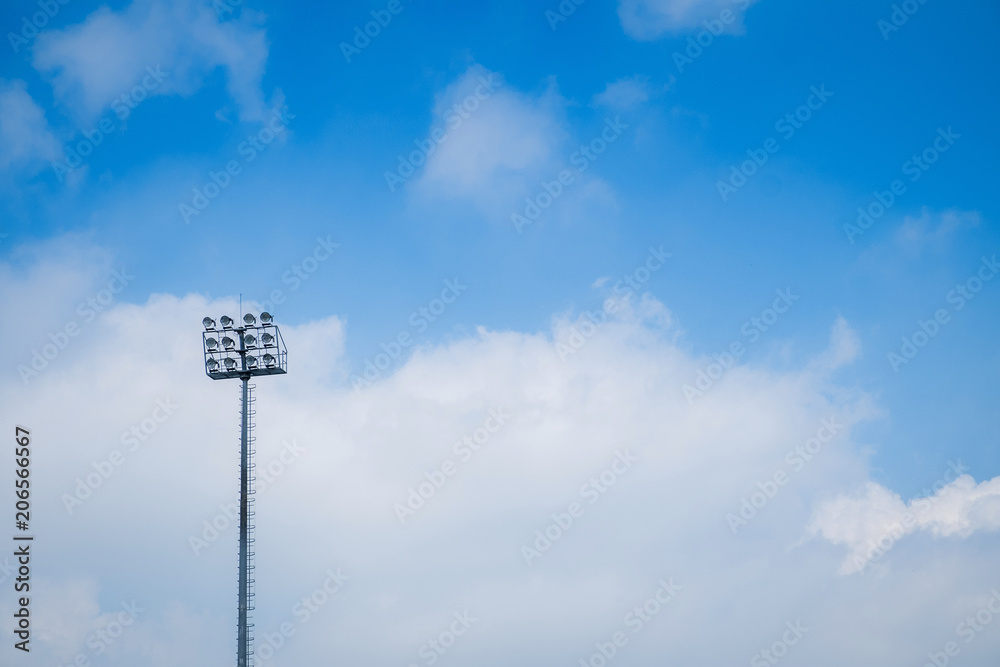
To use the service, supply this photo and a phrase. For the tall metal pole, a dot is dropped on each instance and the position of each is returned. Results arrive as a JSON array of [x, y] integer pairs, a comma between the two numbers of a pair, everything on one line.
[[243, 630], [261, 351]]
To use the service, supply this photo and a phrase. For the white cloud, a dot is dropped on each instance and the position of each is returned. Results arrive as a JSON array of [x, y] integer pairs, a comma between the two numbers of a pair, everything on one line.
[[844, 348], [25, 139], [107, 55], [872, 522], [650, 19], [494, 144], [498, 153], [934, 230], [624, 94], [363, 451]]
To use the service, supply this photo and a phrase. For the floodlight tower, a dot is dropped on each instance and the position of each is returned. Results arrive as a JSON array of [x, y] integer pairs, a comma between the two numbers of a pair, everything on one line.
[[244, 351]]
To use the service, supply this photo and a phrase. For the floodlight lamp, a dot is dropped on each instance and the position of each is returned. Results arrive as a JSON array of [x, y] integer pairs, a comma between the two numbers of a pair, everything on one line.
[[249, 319], [227, 322], [252, 362], [213, 366], [209, 323], [269, 360], [228, 343], [250, 341], [265, 318], [267, 339], [230, 364], [212, 343]]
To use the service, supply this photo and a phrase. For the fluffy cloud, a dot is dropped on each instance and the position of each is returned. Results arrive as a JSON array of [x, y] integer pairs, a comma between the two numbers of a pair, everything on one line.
[[495, 139], [650, 19], [25, 139], [624, 94], [934, 230], [107, 55], [873, 522], [357, 456], [496, 150]]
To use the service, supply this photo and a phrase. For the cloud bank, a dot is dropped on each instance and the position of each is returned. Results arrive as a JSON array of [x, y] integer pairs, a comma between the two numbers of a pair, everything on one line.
[[549, 496]]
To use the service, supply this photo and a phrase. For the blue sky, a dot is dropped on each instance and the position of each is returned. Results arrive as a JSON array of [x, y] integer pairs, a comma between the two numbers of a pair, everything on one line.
[[230, 75]]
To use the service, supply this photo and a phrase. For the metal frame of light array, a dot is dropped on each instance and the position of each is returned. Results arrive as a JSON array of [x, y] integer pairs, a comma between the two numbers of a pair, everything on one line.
[[243, 351]]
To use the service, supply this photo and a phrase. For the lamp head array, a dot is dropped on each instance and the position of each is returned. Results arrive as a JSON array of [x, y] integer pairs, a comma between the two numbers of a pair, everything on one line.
[[240, 350]]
